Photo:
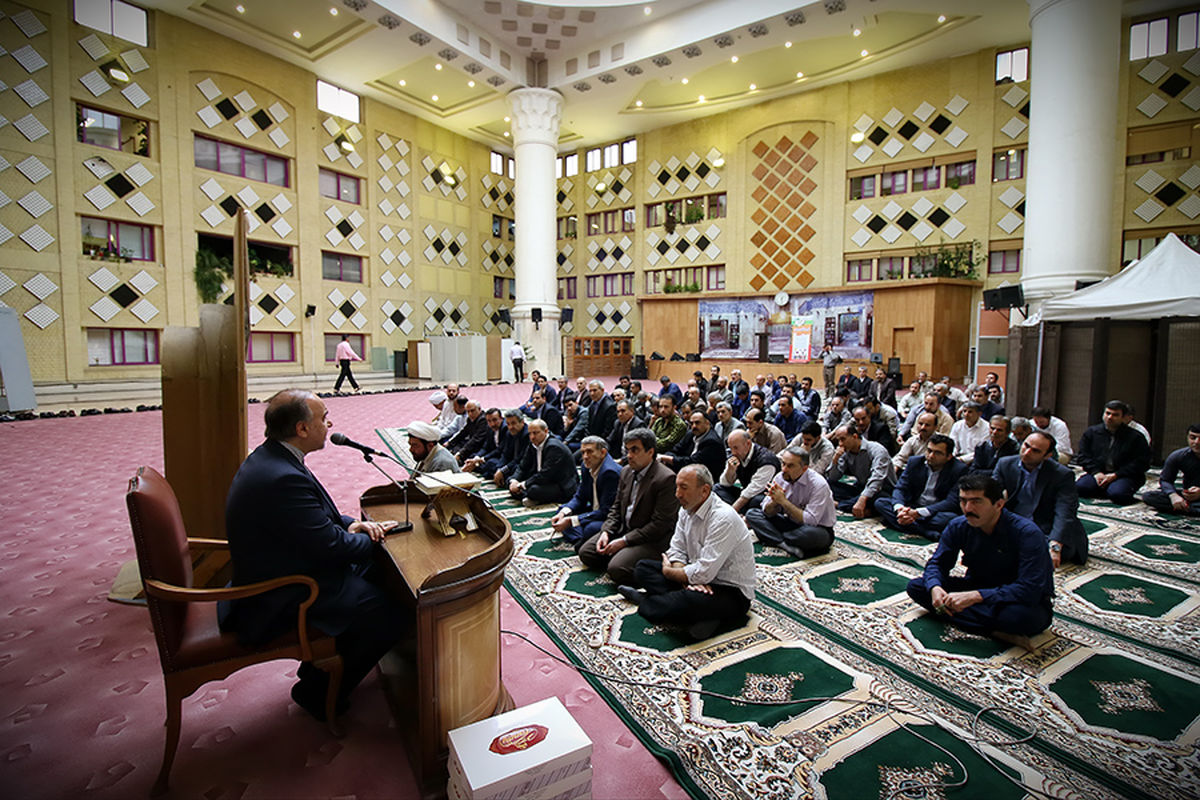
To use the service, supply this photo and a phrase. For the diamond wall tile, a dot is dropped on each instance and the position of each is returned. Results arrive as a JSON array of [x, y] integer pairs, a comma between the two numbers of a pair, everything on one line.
[[33, 169], [37, 237], [40, 286], [136, 95], [1190, 207], [1011, 196], [93, 46], [921, 230], [208, 115], [144, 310], [1152, 105], [954, 202], [42, 315], [1150, 181], [863, 153], [1010, 222], [213, 216], [139, 174], [35, 204], [1153, 71], [29, 58], [923, 111], [103, 279], [278, 138], [956, 136], [31, 127], [956, 105], [1149, 209], [953, 228], [143, 282], [140, 203], [1192, 98], [100, 197], [135, 61], [105, 308], [281, 227], [246, 127], [922, 207], [31, 93], [7, 284], [285, 316]]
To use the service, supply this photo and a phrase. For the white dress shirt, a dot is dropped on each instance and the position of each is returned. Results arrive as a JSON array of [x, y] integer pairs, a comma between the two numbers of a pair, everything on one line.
[[714, 546]]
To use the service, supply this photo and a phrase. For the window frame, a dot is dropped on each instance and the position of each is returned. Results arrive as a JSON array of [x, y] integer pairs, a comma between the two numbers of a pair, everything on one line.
[[123, 120], [1014, 68], [1004, 262], [340, 258], [1018, 155], [888, 181], [958, 171], [629, 151], [335, 100], [339, 178], [593, 159], [268, 159], [1141, 38], [568, 287], [863, 187], [113, 236], [274, 336], [358, 341], [894, 265], [857, 268], [921, 179], [151, 336]]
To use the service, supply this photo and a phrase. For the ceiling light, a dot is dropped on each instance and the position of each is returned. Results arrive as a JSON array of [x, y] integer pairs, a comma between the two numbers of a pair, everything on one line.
[[601, 187], [941, 18], [638, 104], [753, 86], [345, 144], [506, 119], [240, 9], [115, 71], [864, 53], [449, 180], [857, 137], [506, 133], [684, 81], [471, 84], [1012, 152], [435, 98], [733, 59], [719, 161], [438, 67], [333, 12], [858, 31], [799, 74], [700, 99], [295, 34], [647, 10], [403, 82], [787, 44]]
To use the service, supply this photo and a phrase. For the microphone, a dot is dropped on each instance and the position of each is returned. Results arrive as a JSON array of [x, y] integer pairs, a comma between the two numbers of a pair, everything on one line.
[[345, 441]]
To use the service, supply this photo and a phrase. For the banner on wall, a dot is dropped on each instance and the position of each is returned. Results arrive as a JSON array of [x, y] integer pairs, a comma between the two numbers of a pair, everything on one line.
[[730, 328], [802, 328]]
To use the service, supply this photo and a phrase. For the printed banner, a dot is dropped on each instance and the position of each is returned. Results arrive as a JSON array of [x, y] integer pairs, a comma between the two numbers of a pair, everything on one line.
[[730, 328]]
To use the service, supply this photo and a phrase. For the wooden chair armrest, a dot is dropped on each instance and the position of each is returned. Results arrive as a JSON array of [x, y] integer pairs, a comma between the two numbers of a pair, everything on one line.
[[182, 594], [207, 544]]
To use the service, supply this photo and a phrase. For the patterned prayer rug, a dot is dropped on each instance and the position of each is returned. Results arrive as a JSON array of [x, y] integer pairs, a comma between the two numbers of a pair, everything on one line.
[[874, 698]]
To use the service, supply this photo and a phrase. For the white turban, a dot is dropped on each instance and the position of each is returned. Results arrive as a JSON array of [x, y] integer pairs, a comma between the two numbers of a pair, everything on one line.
[[425, 431], [437, 398]]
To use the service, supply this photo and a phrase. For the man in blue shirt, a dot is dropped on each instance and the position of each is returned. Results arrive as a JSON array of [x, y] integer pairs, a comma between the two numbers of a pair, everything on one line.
[[672, 389], [1009, 585], [1179, 484]]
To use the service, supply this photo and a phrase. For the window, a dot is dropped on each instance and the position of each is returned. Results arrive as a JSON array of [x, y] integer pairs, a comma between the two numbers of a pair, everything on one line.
[[1137, 248], [115, 17], [863, 187], [921, 266], [512, 229], [1012, 66], [265, 258], [1188, 35], [1147, 39], [891, 268], [592, 160], [628, 219], [332, 340], [337, 186], [612, 155], [504, 287], [336, 101], [662, 281], [571, 165], [858, 270], [267, 347], [110, 237], [1146, 158], [593, 224], [715, 278], [614, 285], [108, 347], [893, 183], [654, 215], [926, 178], [612, 221], [716, 206], [341, 267], [241, 161], [566, 288], [1004, 261], [960, 174], [1008, 165], [114, 131], [558, 167], [568, 227], [693, 210], [497, 164], [629, 149]]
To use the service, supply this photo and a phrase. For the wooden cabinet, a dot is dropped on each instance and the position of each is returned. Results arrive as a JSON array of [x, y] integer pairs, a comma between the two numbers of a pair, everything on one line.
[[601, 355]]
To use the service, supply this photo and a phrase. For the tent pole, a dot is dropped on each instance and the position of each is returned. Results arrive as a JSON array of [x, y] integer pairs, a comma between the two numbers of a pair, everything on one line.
[[1037, 375]]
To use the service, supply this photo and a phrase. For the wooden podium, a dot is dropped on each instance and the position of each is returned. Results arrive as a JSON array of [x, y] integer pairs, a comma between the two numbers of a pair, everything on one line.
[[447, 672]]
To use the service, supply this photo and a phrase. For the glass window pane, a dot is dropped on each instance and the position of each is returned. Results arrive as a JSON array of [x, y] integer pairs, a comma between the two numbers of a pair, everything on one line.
[[629, 151], [206, 153], [134, 347], [256, 166], [277, 171], [1020, 65], [229, 158], [327, 183], [99, 347], [1158, 37], [1187, 39], [349, 189], [572, 165]]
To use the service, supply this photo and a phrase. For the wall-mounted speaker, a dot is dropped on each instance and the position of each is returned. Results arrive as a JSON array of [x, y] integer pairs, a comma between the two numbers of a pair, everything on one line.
[[568, 315], [310, 311], [505, 316], [1004, 297], [535, 314]]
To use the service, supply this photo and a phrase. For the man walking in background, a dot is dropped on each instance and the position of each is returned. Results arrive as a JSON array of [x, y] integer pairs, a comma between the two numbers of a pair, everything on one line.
[[344, 355]]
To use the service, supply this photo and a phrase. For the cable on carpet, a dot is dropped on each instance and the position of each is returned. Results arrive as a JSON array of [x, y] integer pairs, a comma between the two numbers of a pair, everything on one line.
[[880, 702]]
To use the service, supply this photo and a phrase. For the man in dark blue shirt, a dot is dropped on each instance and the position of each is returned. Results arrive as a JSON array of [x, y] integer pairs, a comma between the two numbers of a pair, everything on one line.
[[1179, 484], [1009, 585]]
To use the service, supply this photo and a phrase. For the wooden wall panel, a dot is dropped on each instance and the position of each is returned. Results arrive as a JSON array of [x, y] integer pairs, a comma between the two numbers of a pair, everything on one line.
[[671, 326]]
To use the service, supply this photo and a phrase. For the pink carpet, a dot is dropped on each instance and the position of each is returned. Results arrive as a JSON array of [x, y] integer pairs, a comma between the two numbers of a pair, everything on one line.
[[82, 710]]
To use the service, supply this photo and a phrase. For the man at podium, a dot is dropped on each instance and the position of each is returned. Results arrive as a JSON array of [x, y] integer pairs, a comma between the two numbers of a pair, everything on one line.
[[423, 444]]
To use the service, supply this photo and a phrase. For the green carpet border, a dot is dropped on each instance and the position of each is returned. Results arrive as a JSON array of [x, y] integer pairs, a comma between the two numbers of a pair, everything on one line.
[[670, 757]]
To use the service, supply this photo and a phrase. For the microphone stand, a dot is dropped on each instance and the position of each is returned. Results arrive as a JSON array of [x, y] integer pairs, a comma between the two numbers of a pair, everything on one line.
[[403, 487]]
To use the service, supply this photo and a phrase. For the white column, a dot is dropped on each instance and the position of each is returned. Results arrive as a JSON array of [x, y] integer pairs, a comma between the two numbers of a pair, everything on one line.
[[536, 114], [1072, 165]]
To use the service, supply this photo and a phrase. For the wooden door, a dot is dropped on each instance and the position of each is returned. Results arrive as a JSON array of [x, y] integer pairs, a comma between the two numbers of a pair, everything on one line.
[[600, 355]]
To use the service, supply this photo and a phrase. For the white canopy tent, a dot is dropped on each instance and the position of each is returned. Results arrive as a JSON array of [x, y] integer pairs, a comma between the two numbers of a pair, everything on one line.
[[1166, 283]]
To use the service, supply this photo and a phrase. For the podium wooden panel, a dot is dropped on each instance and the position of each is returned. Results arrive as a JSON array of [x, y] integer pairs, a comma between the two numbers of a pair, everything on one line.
[[448, 673]]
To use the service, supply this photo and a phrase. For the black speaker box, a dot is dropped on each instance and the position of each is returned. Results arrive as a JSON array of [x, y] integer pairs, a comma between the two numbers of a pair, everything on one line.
[[568, 315], [1004, 297], [535, 314], [505, 316]]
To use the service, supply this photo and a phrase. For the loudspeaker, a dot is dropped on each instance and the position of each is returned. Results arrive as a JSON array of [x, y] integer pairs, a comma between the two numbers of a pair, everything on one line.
[[676, 357], [505, 316], [692, 357], [1004, 297], [310, 311], [568, 315], [763, 353], [639, 371], [657, 356], [535, 314]]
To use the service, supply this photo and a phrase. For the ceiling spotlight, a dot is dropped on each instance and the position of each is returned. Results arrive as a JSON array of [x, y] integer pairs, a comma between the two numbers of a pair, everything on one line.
[[295, 34], [115, 71], [684, 81], [858, 31], [333, 12], [799, 74], [506, 119], [787, 44], [733, 59], [435, 98], [471, 84], [941, 18], [753, 86], [506, 133], [700, 99], [449, 180], [864, 53], [857, 137], [638, 104], [438, 67], [647, 10], [601, 187], [403, 82], [719, 161], [345, 143], [241, 9]]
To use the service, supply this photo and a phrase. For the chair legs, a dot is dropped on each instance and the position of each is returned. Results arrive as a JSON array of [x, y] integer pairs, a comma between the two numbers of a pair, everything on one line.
[[333, 666], [174, 714]]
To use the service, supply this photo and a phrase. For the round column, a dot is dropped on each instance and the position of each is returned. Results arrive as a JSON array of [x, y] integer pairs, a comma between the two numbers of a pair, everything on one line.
[[536, 114], [1071, 168]]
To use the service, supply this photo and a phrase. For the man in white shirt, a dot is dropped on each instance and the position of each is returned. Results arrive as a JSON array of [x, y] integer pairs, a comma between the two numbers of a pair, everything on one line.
[[911, 400], [915, 445], [748, 471], [1043, 420], [447, 412], [799, 512], [968, 433], [706, 577], [516, 354], [819, 449]]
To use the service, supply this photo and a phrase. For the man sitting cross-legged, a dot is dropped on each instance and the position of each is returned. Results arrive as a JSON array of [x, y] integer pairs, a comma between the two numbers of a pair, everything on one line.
[[1043, 490], [798, 513], [1179, 484], [547, 470], [583, 515], [926, 497], [640, 522], [706, 577], [1009, 585], [867, 465], [748, 472], [1114, 457]]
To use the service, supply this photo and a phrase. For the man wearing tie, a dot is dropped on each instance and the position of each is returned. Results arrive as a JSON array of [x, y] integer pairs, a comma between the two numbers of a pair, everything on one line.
[[1043, 490], [581, 517]]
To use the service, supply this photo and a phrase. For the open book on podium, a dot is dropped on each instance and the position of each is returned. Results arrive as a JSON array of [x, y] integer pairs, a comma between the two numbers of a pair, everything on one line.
[[449, 509]]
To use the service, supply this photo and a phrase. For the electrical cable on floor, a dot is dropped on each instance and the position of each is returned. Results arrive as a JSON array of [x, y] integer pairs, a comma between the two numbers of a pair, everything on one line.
[[885, 703]]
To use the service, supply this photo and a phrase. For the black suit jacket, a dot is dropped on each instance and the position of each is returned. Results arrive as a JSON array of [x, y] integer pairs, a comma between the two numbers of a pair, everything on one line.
[[878, 431], [986, 454], [601, 417], [616, 439], [709, 451], [512, 450], [652, 521], [281, 521], [1055, 502], [560, 400], [470, 437], [1131, 451], [552, 417], [912, 483], [810, 405], [884, 391], [604, 486], [558, 467]]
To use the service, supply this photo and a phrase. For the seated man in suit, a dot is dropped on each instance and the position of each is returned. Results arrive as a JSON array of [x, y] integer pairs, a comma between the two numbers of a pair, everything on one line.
[[998, 445], [1008, 589], [1043, 490], [869, 468], [484, 459], [512, 447], [626, 421], [471, 436], [706, 576], [547, 472], [575, 424], [1183, 465], [874, 430], [790, 419], [1114, 457], [798, 513], [747, 473], [699, 445], [926, 497], [426, 452], [640, 522], [281, 521], [581, 517], [808, 399], [544, 411], [565, 393], [602, 411], [930, 404]]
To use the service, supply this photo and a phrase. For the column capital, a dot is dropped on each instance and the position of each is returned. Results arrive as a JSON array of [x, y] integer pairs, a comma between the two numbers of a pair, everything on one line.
[[536, 114]]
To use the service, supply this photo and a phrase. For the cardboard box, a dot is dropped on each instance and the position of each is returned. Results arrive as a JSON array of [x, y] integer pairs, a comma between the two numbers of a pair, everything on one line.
[[574, 787], [519, 753]]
